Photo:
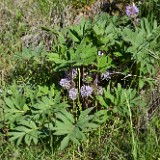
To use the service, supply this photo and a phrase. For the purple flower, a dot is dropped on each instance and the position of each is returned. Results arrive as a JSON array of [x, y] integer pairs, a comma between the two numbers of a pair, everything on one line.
[[132, 11], [65, 83], [71, 74], [73, 93], [106, 76], [86, 91]]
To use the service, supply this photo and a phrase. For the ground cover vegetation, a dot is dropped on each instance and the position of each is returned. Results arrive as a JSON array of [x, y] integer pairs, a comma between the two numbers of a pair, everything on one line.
[[80, 80]]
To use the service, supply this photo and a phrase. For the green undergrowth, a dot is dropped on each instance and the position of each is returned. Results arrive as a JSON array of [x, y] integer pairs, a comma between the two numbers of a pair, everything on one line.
[[79, 91]]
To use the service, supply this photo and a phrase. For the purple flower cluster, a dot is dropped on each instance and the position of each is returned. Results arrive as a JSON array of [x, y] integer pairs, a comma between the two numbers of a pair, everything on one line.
[[132, 11], [86, 91], [106, 76], [73, 92], [65, 83]]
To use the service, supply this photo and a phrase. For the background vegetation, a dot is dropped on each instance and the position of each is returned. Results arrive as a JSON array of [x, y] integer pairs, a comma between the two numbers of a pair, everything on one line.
[[79, 80]]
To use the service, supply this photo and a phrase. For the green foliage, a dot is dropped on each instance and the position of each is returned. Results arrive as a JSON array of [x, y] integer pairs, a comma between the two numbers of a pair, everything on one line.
[[118, 98], [129, 52], [74, 131], [26, 129], [114, 56], [27, 112], [150, 9]]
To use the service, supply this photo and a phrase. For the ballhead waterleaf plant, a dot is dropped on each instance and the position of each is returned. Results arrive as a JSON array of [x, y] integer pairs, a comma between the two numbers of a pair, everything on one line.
[[102, 62]]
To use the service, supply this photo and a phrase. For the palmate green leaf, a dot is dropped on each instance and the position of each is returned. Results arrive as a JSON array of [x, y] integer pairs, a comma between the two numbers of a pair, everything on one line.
[[15, 108], [17, 136], [63, 123], [42, 106], [48, 105], [120, 98], [140, 38], [15, 102], [26, 108], [22, 128], [128, 35], [66, 126], [75, 55], [61, 37], [35, 138], [85, 120], [12, 116], [28, 131], [31, 94], [65, 117], [76, 32]]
